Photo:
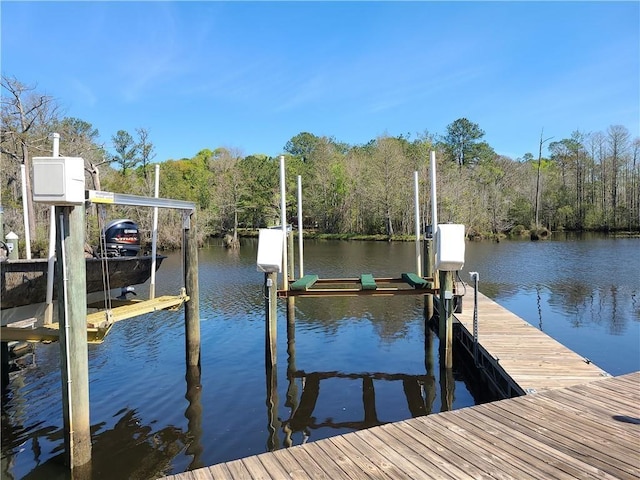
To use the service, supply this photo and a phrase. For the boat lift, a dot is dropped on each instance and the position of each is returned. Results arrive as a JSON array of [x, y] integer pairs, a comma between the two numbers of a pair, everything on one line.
[[366, 284], [100, 322], [60, 182]]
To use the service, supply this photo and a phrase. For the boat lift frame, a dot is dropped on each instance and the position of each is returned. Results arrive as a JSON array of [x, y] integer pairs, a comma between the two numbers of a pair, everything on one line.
[[135, 308], [97, 328], [98, 196]]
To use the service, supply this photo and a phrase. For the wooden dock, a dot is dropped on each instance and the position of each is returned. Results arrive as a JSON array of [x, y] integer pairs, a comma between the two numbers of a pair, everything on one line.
[[568, 419], [516, 357], [588, 431]]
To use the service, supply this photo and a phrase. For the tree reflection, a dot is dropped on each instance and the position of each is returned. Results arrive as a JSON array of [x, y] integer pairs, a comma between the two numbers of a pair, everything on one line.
[[584, 305], [129, 450]]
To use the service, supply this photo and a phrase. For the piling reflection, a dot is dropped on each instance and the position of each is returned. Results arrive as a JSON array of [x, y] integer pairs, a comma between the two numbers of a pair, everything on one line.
[[273, 421], [419, 391], [428, 350], [193, 413], [447, 389], [429, 360], [291, 401]]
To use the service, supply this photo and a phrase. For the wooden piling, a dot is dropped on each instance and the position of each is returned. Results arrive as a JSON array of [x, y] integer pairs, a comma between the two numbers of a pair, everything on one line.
[[72, 308], [445, 327], [302, 417], [271, 310], [192, 307]]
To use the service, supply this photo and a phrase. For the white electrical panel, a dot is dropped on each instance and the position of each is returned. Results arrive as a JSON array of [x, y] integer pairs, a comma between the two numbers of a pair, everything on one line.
[[270, 250], [450, 247], [58, 180]]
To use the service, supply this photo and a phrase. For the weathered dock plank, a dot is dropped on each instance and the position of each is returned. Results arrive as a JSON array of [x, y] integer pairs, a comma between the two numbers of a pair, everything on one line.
[[347, 464], [589, 431], [429, 452]]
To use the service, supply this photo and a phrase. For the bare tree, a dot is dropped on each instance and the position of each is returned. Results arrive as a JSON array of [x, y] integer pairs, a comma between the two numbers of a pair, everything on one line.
[[537, 206], [26, 116], [81, 139], [634, 215], [618, 140], [229, 189], [388, 169], [146, 150]]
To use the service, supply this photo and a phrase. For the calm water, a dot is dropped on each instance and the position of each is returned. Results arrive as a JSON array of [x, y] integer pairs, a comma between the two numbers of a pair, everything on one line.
[[362, 361]]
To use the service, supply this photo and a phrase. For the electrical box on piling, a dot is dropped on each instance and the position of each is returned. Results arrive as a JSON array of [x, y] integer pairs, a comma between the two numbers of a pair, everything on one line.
[[450, 247], [58, 180], [270, 244]]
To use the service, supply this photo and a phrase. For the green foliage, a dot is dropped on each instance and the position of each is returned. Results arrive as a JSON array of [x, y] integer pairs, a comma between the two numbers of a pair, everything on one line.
[[520, 211], [186, 180], [302, 145], [260, 200], [461, 142], [126, 151]]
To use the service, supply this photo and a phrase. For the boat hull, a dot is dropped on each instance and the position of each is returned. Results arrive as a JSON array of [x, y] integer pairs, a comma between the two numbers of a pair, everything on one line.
[[24, 282]]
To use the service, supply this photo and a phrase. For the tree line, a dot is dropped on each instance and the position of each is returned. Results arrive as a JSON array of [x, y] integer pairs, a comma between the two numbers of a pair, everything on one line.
[[589, 181]]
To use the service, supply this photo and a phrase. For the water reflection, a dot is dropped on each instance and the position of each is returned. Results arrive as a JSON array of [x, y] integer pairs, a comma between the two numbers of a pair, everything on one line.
[[569, 276], [273, 421], [193, 413], [419, 392], [291, 401], [130, 449], [447, 389], [137, 449], [539, 304]]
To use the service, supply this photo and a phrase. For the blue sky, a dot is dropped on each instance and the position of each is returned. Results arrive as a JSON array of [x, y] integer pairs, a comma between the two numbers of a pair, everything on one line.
[[251, 75]]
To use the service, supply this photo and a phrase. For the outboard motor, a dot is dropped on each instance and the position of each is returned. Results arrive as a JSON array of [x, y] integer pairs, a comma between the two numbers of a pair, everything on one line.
[[122, 238]]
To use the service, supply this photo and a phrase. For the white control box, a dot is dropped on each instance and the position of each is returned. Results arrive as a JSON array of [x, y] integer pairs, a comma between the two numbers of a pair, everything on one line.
[[58, 180], [270, 244], [450, 247]]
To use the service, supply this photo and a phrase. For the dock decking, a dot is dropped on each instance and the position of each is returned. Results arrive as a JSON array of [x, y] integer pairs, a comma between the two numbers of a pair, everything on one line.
[[589, 431], [518, 357], [569, 420]]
